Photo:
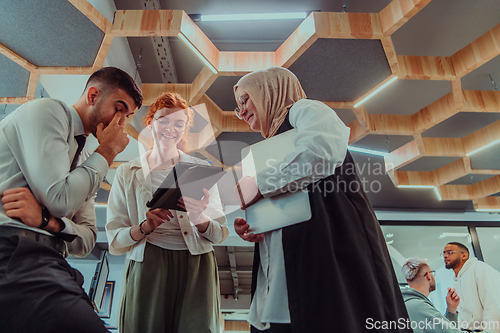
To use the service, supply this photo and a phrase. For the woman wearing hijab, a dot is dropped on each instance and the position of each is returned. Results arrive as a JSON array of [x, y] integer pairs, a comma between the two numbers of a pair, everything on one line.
[[332, 272], [171, 282]]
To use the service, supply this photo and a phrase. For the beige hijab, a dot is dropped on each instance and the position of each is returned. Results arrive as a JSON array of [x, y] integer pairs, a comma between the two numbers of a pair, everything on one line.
[[273, 91]]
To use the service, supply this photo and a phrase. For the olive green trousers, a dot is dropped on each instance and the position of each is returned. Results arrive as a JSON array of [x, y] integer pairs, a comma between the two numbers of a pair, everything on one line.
[[171, 291]]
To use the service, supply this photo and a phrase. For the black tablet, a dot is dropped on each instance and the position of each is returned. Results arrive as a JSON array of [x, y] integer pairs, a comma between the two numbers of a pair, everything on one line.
[[187, 180]]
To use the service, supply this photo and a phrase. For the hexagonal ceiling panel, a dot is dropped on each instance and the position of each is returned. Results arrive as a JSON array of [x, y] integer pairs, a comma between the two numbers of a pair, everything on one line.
[[405, 97], [346, 115], [431, 33], [470, 179], [231, 145], [488, 158], [428, 163], [221, 89], [341, 69], [383, 194], [14, 78], [181, 54], [479, 79], [70, 39], [461, 124], [383, 143]]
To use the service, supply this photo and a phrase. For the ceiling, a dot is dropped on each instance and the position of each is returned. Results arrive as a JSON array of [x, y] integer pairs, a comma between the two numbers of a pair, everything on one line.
[[443, 106], [426, 124]]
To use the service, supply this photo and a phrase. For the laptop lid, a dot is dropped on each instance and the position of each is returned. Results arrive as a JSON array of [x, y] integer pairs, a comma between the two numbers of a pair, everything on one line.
[[280, 210]]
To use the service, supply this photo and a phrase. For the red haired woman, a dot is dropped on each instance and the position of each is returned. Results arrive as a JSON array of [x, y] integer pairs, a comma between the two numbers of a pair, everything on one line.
[[171, 281]]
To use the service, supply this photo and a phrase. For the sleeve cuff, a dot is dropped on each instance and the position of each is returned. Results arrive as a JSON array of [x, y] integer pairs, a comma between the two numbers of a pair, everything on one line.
[[124, 239], [98, 163], [451, 316], [211, 232], [68, 226]]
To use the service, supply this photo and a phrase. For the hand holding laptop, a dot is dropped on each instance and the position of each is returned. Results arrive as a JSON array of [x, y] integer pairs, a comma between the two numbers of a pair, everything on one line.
[[247, 192], [241, 227]]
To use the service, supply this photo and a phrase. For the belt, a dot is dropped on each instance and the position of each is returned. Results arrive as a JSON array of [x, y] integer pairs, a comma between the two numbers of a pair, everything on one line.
[[54, 242]]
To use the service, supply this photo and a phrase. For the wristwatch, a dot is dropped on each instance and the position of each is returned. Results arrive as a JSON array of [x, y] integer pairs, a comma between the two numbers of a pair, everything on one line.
[[45, 218]]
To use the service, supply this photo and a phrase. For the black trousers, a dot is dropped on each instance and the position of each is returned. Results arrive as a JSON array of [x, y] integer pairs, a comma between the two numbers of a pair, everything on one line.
[[40, 292]]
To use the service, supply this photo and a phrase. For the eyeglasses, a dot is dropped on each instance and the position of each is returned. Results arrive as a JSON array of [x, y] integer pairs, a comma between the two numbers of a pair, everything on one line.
[[242, 101], [179, 126], [433, 273], [449, 253]]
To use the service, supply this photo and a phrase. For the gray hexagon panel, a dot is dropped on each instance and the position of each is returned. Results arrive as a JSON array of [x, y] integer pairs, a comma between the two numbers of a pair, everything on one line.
[[49, 33]]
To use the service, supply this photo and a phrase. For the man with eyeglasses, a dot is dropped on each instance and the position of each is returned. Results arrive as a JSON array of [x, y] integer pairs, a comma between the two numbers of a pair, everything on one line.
[[478, 285], [423, 314]]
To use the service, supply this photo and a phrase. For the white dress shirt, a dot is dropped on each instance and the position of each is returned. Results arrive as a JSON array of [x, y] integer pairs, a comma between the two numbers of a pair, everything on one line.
[[127, 207], [37, 146]]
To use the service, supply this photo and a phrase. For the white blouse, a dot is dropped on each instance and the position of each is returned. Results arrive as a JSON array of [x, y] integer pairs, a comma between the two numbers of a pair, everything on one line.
[[321, 138], [129, 194]]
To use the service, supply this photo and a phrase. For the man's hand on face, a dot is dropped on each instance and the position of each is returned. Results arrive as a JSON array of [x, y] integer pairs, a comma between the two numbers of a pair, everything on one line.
[[112, 138]]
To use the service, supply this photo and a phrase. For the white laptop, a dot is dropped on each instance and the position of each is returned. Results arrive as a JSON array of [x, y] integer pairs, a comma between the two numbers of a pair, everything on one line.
[[281, 210]]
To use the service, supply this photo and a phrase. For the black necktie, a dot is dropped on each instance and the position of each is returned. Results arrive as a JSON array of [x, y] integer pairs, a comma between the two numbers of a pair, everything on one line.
[[80, 139]]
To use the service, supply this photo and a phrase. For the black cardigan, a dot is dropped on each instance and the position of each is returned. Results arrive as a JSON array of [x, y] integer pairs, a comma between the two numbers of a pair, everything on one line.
[[338, 269]]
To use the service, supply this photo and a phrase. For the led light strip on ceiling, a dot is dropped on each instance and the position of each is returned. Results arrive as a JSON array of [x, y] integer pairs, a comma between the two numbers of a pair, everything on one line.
[[416, 186], [483, 147], [198, 53], [437, 193], [252, 17], [367, 151], [375, 91]]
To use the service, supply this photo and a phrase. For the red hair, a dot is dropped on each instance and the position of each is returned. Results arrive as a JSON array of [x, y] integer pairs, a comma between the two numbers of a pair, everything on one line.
[[171, 100]]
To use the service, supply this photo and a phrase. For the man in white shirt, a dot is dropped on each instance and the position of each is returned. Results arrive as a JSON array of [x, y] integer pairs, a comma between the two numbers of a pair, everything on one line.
[[47, 201], [478, 286]]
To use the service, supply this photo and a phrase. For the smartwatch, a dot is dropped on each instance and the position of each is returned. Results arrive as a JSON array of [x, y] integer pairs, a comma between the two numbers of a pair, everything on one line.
[[45, 218]]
